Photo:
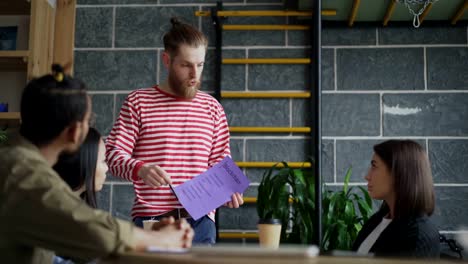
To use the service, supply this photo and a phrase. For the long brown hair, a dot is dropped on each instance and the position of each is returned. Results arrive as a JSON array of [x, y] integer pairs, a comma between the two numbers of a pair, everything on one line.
[[79, 168], [411, 170], [180, 34]]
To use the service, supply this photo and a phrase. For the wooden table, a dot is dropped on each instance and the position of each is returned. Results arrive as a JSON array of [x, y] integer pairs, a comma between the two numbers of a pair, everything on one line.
[[186, 258]]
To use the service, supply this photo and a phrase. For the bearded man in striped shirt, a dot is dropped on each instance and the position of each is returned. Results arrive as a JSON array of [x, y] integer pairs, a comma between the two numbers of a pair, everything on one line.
[[170, 133]]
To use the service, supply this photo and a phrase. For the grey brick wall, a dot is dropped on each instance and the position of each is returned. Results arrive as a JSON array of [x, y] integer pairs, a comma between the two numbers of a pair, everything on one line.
[[400, 83], [378, 83]]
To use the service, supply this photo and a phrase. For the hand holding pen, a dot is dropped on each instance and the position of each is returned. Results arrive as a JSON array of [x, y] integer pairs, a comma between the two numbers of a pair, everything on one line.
[[153, 175]]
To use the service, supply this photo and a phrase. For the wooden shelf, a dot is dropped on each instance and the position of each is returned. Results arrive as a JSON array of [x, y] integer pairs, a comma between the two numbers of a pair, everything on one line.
[[10, 120], [15, 7], [13, 60], [50, 39], [14, 53], [10, 116]]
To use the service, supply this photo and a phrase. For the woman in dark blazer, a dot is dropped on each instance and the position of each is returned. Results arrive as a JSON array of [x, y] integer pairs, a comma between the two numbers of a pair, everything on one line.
[[400, 175]]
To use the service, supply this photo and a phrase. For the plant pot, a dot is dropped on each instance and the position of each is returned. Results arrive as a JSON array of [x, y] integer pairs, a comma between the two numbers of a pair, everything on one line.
[[269, 232]]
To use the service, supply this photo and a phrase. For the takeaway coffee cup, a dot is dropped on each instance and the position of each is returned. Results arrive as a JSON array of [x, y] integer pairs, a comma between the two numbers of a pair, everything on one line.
[[148, 224], [269, 232]]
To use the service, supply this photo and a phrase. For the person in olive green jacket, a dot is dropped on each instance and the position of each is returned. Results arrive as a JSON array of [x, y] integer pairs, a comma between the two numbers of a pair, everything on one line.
[[39, 213]]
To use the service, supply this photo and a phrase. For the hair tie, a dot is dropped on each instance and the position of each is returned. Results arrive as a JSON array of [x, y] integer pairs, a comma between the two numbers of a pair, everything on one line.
[[58, 76]]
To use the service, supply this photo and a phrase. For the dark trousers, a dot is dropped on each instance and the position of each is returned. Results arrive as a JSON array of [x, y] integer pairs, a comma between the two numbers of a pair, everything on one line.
[[205, 229]]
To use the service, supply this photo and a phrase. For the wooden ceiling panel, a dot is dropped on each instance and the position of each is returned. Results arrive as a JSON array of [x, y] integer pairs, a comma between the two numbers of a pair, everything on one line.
[[14, 7]]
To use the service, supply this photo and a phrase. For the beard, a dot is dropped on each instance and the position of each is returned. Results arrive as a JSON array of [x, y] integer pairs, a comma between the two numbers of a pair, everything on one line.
[[183, 88]]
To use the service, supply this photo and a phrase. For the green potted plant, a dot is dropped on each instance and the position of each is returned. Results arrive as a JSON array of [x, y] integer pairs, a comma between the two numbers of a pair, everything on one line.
[[289, 194], [273, 198], [3, 136], [344, 213]]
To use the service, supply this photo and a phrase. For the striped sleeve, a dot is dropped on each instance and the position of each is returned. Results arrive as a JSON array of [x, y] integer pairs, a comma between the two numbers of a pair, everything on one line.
[[220, 147], [121, 142]]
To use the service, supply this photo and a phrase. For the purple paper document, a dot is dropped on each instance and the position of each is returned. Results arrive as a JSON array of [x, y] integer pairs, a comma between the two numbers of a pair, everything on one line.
[[212, 188]]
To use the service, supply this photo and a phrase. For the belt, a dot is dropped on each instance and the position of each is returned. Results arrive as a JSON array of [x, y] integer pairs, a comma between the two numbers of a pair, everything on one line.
[[177, 214]]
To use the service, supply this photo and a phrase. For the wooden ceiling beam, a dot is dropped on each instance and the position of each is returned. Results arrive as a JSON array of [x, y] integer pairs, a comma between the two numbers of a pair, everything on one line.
[[424, 13], [389, 12], [463, 7], [15, 7], [353, 13]]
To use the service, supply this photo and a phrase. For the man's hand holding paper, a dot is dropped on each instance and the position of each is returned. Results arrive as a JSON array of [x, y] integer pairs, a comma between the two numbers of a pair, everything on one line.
[[236, 201], [220, 185]]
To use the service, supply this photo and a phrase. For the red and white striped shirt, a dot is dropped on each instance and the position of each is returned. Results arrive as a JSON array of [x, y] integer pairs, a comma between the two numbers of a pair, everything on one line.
[[183, 137]]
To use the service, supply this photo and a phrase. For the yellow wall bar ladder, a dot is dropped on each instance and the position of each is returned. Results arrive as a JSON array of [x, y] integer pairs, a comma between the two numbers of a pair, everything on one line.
[[251, 200], [265, 27], [326, 12], [267, 61], [262, 164], [265, 94], [270, 129], [237, 235]]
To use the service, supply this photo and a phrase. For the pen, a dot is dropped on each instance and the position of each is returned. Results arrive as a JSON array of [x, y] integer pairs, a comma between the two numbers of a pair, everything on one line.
[[172, 189]]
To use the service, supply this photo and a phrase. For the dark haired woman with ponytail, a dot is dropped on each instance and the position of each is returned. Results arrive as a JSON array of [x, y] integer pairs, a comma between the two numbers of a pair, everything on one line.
[[400, 175], [85, 170]]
